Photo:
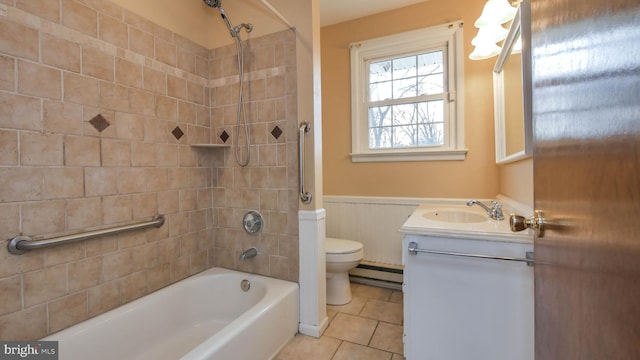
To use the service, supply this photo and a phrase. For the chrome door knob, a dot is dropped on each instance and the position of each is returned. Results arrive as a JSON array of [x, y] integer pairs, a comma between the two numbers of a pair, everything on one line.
[[519, 223]]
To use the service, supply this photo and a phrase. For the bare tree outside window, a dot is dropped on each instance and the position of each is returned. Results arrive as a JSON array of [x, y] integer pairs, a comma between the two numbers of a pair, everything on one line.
[[406, 101]]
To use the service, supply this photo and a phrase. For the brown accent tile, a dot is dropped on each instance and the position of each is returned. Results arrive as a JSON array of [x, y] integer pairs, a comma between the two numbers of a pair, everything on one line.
[[81, 151], [115, 97], [85, 274], [97, 63], [142, 102], [349, 351], [20, 184], [128, 73], [303, 347], [38, 80], [100, 181], [43, 285], [60, 53], [7, 73], [8, 147], [155, 81], [43, 217], [351, 328], [141, 42], [47, 9], [113, 31], [63, 182], [84, 213], [103, 298], [67, 311], [388, 337], [41, 149], [116, 209], [11, 290], [383, 311], [79, 17], [28, 324], [62, 117], [176, 87], [18, 40], [166, 52], [115, 152]]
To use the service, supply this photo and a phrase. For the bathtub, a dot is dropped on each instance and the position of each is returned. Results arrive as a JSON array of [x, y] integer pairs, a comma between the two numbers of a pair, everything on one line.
[[206, 316]]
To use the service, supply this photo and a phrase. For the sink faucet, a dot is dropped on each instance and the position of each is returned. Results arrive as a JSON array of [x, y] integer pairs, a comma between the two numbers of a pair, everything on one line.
[[494, 212], [249, 253]]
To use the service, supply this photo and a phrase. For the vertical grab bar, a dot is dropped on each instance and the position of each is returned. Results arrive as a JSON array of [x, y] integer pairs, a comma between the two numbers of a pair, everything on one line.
[[305, 197]]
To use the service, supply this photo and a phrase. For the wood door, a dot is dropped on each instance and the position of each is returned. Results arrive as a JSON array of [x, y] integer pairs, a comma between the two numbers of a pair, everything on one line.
[[586, 113]]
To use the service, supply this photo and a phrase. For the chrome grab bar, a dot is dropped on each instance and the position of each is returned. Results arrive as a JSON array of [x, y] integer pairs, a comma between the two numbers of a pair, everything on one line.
[[21, 244], [305, 197], [413, 250]]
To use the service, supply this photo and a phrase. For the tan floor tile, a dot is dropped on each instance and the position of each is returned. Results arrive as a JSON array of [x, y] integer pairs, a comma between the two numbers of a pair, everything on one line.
[[388, 337], [383, 311], [303, 347], [331, 314], [396, 297], [353, 308], [349, 351], [351, 328], [371, 292], [397, 357]]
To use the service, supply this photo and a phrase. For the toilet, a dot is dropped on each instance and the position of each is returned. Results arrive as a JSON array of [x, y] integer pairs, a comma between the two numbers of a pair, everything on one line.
[[342, 256]]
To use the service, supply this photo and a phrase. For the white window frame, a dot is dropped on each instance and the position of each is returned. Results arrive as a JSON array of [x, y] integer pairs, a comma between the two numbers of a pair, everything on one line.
[[448, 36]]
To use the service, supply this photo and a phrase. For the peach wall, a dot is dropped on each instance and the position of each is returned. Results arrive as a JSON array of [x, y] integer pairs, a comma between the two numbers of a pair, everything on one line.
[[476, 176], [516, 181]]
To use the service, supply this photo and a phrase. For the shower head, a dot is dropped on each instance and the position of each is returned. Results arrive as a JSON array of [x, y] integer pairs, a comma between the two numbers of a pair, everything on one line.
[[213, 3]]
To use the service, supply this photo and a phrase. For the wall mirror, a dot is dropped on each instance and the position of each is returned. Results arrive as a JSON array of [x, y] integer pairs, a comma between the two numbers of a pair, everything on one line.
[[512, 91]]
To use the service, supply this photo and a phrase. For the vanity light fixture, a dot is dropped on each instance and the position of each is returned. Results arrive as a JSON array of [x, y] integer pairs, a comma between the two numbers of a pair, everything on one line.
[[494, 14]]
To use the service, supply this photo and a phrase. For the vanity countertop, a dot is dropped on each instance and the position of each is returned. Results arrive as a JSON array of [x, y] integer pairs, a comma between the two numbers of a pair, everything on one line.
[[462, 222]]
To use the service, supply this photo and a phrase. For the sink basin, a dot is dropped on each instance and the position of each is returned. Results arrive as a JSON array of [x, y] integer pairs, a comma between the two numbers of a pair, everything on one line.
[[455, 216]]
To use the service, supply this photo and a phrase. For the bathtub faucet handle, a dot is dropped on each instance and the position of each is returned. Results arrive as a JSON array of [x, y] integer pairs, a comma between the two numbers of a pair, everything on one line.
[[249, 253]]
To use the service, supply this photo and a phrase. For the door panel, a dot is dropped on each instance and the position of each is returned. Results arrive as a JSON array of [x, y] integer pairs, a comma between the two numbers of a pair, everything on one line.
[[586, 111]]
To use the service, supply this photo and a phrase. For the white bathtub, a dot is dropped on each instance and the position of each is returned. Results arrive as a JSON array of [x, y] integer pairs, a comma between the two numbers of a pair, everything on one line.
[[206, 316]]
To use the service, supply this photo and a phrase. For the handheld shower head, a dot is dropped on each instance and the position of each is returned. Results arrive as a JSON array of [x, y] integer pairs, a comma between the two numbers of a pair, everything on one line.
[[213, 3]]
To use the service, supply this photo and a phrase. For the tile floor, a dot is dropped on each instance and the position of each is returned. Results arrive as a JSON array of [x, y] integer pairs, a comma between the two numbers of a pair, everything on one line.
[[367, 328]]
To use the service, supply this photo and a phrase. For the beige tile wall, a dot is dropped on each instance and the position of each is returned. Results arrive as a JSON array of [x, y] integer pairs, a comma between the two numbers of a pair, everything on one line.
[[269, 183], [63, 62]]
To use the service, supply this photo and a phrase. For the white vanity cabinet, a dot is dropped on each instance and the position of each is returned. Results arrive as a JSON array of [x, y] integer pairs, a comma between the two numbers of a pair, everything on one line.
[[461, 308]]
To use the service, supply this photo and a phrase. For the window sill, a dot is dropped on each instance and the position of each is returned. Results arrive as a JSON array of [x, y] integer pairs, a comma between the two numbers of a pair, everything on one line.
[[437, 155]]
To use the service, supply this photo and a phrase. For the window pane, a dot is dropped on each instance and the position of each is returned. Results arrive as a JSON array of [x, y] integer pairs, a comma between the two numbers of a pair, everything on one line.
[[430, 63], [379, 138], [430, 134], [404, 88], [380, 71], [431, 84], [404, 67], [379, 116], [380, 91], [431, 111], [404, 114], [404, 136]]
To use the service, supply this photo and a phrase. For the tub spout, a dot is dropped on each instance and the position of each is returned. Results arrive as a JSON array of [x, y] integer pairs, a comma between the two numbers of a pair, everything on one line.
[[249, 253]]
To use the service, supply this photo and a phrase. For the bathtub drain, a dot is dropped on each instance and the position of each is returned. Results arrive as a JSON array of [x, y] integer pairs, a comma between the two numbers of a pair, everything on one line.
[[245, 285]]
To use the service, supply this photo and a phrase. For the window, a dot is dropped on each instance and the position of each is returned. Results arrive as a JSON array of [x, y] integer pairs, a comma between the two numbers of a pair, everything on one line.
[[404, 103]]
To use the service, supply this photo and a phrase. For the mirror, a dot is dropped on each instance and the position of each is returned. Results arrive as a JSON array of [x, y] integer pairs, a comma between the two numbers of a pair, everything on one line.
[[512, 91]]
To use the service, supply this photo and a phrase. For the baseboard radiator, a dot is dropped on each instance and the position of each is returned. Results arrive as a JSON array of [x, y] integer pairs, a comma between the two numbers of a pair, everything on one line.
[[375, 222]]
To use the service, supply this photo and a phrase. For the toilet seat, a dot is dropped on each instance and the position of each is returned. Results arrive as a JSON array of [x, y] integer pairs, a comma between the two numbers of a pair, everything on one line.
[[341, 250]]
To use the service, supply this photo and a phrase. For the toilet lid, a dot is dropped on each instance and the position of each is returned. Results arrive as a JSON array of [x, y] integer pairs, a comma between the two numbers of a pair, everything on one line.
[[341, 246]]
